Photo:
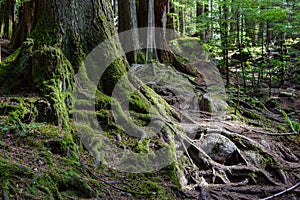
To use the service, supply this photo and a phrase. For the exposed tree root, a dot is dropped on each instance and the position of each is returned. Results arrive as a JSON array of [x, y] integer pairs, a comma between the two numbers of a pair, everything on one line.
[[252, 164]]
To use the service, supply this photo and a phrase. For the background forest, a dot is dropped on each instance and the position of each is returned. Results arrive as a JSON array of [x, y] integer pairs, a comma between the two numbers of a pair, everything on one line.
[[215, 86]]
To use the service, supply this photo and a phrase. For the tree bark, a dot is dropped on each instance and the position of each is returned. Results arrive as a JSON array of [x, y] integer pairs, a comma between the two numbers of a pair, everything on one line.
[[128, 21], [7, 12], [60, 35], [25, 24], [142, 12], [181, 18], [161, 8]]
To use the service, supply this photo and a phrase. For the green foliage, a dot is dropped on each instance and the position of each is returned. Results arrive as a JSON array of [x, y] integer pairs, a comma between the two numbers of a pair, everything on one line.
[[17, 113], [293, 125], [262, 27], [21, 129]]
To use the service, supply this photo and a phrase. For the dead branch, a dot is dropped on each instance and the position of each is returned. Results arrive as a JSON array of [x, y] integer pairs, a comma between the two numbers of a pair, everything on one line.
[[273, 134], [282, 192]]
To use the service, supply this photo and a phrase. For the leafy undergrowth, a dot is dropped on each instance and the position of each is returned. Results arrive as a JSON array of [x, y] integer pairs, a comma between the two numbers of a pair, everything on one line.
[[39, 160]]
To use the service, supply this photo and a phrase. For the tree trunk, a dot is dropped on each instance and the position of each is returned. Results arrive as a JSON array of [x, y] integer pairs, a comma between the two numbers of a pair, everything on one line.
[[61, 34], [223, 10], [161, 8], [201, 11], [128, 21], [172, 18], [250, 30], [142, 12], [75, 26], [181, 18], [6, 12], [25, 24]]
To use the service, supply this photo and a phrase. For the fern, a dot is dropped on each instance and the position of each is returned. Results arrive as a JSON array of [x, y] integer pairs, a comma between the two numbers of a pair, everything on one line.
[[294, 125]]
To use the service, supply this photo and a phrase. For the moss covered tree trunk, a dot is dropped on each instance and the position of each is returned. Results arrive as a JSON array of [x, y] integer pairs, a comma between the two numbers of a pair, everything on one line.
[[76, 26], [60, 35]]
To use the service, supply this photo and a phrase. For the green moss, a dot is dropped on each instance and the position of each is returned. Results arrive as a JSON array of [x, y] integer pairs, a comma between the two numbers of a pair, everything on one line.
[[140, 119], [44, 36], [15, 67], [143, 147], [281, 128], [111, 76], [251, 115], [171, 174], [137, 104], [10, 59], [102, 101]]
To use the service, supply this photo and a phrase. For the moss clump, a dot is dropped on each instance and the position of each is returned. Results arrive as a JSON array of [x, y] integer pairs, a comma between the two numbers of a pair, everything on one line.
[[54, 80], [44, 36], [140, 118], [251, 115], [103, 101], [111, 76], [171, 172], [16, 68], [137, 104]]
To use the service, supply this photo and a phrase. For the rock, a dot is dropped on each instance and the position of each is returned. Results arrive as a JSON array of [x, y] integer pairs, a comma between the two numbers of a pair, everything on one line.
[[254, 158], [218, 147], [213, 103], [171, 85]]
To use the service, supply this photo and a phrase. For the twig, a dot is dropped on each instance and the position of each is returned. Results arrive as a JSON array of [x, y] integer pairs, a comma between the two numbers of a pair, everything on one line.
[[282, 192], [186, 151], [274, 134]]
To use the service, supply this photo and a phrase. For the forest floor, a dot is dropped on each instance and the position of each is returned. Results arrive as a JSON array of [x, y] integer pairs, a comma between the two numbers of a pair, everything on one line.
[[39, 160]]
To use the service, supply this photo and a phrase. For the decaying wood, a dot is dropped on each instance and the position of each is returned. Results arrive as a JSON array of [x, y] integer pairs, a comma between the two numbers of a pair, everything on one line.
[[282, 192]]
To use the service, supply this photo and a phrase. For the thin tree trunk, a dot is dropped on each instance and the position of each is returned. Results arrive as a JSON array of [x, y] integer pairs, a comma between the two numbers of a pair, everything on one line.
[[181, 18], [240, 46], [224, 39], [4, 17], [201, 12]]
